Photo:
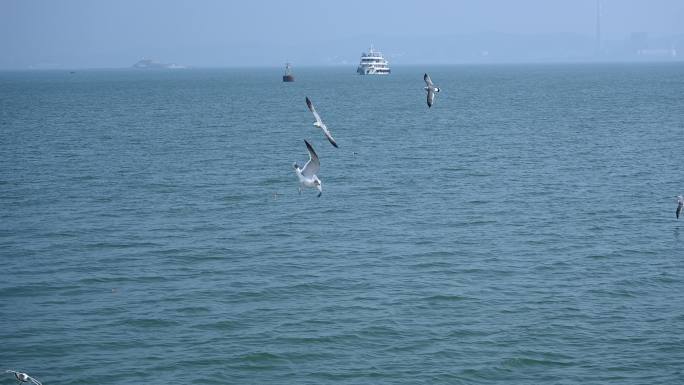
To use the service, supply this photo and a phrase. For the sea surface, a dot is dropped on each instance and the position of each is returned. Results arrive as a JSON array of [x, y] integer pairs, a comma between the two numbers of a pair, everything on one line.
[[521, 231]]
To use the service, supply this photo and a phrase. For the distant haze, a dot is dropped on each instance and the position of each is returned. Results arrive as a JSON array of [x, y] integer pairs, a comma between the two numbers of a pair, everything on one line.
[[89, 34]]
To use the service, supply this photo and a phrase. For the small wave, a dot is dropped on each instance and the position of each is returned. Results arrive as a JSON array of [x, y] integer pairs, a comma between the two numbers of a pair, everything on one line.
[[193, 309], [446, 298], [259, 357], [223, 325], [147, 323], [234, 197], [521, 362]]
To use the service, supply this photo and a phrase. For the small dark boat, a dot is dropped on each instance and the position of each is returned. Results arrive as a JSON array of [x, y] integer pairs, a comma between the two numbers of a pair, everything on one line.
[[288, 77]]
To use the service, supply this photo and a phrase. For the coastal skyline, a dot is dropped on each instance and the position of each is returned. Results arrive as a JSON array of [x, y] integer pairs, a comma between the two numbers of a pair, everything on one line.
[[80, 34]]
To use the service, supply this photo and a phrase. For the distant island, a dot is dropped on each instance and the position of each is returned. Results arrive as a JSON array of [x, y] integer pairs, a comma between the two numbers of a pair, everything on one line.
[[151, 64]]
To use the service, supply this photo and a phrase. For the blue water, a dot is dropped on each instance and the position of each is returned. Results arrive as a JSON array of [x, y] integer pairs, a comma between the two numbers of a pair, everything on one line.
[[521, 231]]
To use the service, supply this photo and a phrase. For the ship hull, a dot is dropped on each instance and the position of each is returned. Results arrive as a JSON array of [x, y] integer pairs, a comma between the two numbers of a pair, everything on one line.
[[367, 71]]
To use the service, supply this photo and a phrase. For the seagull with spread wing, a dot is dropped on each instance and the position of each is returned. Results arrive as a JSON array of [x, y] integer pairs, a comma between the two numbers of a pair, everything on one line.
[[431, 90], [23, 377], [319, 123], [307, 175]]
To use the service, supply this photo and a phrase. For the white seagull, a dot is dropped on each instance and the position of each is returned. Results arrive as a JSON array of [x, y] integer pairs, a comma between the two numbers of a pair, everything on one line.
[[307, 175], [23, 377], [431, 89], [680, 204], [319, 123]]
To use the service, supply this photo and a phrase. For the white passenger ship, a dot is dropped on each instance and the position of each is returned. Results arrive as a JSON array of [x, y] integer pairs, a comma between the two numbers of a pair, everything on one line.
[[372, 63]]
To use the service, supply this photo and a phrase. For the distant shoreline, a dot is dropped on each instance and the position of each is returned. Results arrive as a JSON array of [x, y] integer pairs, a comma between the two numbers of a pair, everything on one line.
[[678, 61]]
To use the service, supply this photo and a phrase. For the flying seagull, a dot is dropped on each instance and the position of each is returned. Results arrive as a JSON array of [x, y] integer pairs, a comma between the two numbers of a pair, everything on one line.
[[680, 204], [307, 175], [431, 89], [23, 377], [319, 123]]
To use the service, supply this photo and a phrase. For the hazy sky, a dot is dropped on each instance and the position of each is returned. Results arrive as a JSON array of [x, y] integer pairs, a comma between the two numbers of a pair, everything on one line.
[[116, 33]]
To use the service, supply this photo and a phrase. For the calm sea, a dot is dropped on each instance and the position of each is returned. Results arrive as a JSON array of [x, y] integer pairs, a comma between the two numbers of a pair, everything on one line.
[[521, 231]]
